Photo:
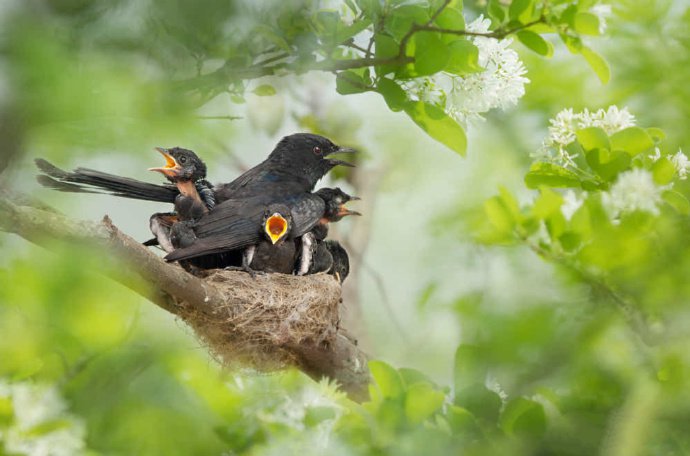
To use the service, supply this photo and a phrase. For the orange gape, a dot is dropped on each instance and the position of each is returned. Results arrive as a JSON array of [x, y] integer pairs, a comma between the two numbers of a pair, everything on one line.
[[276, 227]]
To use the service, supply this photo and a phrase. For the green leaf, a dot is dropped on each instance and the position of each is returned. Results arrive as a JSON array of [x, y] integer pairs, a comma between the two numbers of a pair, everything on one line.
[[593, 138], [387, 379], [395, 96], [517, 7], [499, 216], [550, 175], [400, 19], [461, 420], [421, 401], [452, 19], [608, 164], [469, 367], [264, 90], [413, 376], [535, 42], [346, 32], [657, 134], [523, 417], [438, 125], [587, 24], [496, 11], [598, 64], [463, 58], [548, 203], [678, 201], [633, 140], [316, 414], [371, 8], [663, 171], [349, 82], [384, 47], [480, 401], [430, 53]]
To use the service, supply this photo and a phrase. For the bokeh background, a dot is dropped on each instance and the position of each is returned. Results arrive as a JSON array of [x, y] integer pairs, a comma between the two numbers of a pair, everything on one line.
[[86, 83]]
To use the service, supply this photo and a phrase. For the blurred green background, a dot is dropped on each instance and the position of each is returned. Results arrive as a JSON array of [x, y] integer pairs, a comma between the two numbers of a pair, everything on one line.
[[90, 83]]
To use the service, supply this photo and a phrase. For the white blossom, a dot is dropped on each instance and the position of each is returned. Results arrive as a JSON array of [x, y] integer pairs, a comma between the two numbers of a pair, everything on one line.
[[34, 406], [571, 203], [602, 11], [465, 98], [634, 190], [682, 164], [656, 155], [566, 123]]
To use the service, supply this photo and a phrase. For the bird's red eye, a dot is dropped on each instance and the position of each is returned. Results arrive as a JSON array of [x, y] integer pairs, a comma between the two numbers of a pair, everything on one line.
[[316, 150]]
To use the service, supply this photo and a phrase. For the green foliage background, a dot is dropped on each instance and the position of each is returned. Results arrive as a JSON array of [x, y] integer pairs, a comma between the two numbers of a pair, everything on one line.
[[500, 345]]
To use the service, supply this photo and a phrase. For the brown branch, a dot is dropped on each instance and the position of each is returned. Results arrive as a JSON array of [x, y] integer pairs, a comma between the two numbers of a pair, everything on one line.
[[267, 323]]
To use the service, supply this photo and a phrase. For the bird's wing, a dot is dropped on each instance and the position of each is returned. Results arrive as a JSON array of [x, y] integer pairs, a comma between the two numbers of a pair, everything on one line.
[[83, 180], [231, 225], [306, 210]]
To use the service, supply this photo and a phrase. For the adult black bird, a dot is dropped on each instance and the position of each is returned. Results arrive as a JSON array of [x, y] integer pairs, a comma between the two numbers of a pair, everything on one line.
[[298, 161], [286, 177]]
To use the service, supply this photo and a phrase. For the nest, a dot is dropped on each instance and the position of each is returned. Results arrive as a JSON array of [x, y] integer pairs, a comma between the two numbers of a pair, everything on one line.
[[268, 320]]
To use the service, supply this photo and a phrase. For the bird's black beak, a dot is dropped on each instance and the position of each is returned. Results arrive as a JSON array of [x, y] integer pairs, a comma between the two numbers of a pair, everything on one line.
[[341, 150], [171, 168]]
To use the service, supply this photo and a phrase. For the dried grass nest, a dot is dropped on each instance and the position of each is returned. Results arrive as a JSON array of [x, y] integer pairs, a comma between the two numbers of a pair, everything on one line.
[[266, 317]]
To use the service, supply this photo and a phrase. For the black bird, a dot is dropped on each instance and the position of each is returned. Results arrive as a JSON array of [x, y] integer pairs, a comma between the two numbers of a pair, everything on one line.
[[280, 166], [281, 253], [286, 177], [340, 267], [278, 250], [318, 259], [295, 166], [187, 172]]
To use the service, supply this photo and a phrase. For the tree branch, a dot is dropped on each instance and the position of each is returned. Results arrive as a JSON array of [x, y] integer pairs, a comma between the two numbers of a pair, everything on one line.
[[267, 323]]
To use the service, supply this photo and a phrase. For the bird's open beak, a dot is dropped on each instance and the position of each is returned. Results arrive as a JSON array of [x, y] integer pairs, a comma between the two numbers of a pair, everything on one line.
[[171, 167], [276, 227], [343, 211], [341, 150]]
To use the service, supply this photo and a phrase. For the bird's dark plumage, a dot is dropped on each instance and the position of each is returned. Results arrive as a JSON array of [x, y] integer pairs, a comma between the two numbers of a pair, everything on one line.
[[286, 177], [341, 261]]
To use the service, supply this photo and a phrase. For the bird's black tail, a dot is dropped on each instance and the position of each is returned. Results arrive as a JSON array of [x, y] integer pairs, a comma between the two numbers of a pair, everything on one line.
[[83, 180]]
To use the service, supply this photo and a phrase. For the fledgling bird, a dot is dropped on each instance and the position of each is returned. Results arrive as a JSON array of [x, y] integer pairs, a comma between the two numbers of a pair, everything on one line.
[[184, 169]]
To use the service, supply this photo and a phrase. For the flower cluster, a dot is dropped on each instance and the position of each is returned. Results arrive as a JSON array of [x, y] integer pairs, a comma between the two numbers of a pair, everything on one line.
[[634, 190], [465, 98], [40, 425], [566, 123]]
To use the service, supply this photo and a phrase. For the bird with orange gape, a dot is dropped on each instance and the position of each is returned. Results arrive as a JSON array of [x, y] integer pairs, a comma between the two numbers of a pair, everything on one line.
[[267, 220]]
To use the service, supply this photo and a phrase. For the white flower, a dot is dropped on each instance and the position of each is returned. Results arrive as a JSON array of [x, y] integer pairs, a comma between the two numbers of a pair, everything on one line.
[[682, 164], [602, 12], [571, 203], [567, 123], [656, 155], [34, 406], [500, 85], [634, 190]]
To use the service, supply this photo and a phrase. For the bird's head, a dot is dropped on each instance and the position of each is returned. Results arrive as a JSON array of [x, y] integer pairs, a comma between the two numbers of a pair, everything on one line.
[[181, 165], [309, 155], [277, 222], [335, 200]]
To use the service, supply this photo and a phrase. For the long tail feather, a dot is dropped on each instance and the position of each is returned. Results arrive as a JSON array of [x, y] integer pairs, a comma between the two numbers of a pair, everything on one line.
[[83, 180]]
